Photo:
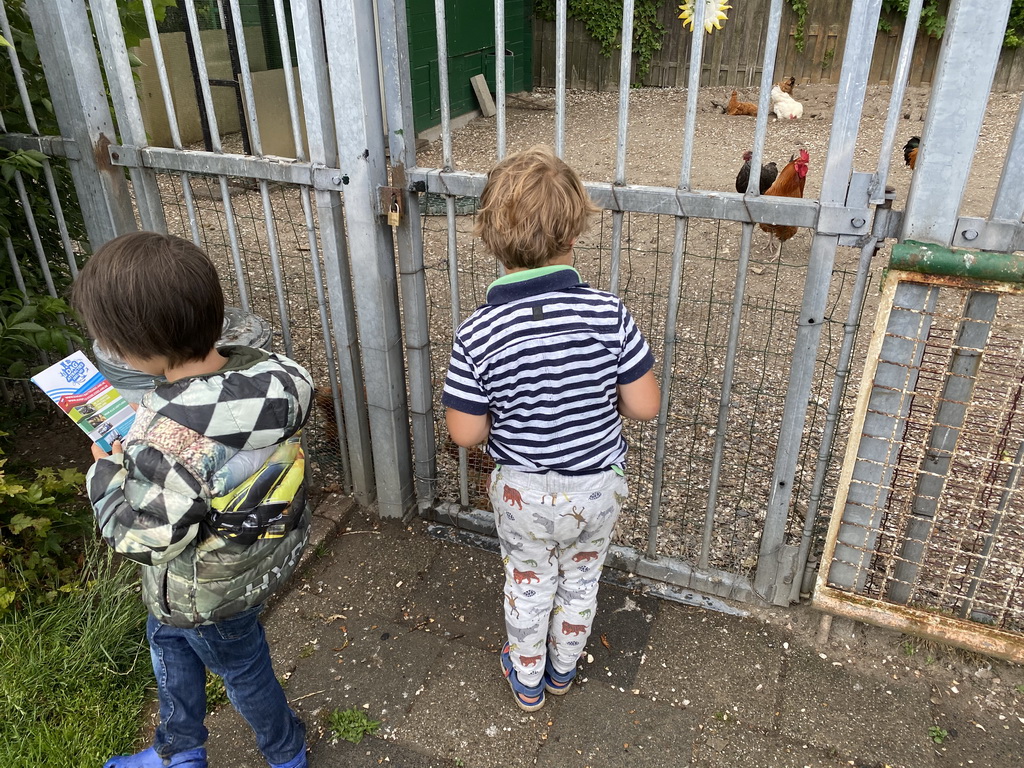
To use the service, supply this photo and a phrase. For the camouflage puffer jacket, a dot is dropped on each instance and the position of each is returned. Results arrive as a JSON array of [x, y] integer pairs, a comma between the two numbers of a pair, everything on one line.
[[208, 494]]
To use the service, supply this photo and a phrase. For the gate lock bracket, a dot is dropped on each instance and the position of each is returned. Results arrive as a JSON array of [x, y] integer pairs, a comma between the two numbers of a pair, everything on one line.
[[391, 204]]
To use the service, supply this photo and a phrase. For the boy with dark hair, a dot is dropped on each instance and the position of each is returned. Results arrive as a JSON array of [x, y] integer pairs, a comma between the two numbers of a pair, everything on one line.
[[206, 492], [542, 372]]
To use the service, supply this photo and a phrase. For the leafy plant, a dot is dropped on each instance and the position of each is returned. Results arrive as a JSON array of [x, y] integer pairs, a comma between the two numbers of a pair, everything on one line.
[[37, 517], [933, 20], [800, 9], [937, 734], [603, 21], [28, 328], [351, 725]]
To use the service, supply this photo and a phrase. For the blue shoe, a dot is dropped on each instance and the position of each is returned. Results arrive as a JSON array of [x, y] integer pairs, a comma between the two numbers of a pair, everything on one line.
[[528, 699], [557, 683], [299, 761], [148, 758]]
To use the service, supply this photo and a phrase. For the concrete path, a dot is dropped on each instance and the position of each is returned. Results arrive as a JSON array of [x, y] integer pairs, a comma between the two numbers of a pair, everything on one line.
[[407, 627]]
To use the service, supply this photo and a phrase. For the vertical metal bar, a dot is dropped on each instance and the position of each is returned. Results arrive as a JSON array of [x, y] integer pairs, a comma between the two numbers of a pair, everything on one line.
[[246, 74], [355, 86], [722, 426], [236, 252], [499, 74], [172, 116], [560, 46], [692, 89], [325, 329], [64, 37], [771, 45], [19, 280], [895, 113], [440, 22], [161, 71], [625, 72], [839, 382], [967, 63], [275, 267], [675, 281], [323, 148], [289, 79], [206, 100], [126, 106], [62, 225], [972, 336], [769, 582], [33, 230], [394, 37], [1009, 200]]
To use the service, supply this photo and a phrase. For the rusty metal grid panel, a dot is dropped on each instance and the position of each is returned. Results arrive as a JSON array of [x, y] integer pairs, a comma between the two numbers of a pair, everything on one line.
[[927, 533]]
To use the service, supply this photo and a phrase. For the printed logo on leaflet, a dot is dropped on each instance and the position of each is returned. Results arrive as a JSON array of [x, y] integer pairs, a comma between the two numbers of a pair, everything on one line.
[[73, 371]]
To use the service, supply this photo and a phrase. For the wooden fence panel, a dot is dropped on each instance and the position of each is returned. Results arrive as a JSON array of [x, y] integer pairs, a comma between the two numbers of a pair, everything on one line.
[[732, 55]]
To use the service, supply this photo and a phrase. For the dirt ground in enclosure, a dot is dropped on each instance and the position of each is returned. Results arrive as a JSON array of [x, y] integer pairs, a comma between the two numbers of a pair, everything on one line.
[[655, 137]]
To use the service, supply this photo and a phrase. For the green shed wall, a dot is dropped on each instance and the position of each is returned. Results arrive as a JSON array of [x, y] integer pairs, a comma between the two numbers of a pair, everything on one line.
[[470, 32]]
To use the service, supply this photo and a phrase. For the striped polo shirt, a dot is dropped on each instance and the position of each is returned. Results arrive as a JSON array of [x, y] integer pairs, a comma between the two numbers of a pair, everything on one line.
[[544, 356]]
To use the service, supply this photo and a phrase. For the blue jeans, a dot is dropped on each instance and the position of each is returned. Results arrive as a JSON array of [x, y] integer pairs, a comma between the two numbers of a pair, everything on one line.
[[236, 649]]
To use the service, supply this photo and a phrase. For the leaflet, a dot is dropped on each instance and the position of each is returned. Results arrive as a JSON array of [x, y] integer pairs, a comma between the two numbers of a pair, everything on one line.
[[85, 394]]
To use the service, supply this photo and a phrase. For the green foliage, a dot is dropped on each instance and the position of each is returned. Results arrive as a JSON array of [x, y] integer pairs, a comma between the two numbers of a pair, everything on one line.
[[38, 517], [800, 9], [937, 734], [351, 725], [603, 20], [933, 20], [1014, 37], [28, 328], [216, 693], [74, 669]]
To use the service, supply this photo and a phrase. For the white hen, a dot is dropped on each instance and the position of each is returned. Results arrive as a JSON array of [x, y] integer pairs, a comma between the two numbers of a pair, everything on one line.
[[784, 105]]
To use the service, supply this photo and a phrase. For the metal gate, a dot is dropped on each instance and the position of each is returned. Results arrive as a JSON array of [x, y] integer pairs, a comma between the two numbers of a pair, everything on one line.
[[729, 483]]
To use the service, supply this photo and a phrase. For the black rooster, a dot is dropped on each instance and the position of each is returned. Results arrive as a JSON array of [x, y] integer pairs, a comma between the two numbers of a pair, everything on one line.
[[769, 172], [910, 151]]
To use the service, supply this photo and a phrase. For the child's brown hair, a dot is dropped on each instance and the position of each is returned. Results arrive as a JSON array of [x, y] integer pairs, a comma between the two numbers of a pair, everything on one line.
[[532, 209], [145, 294]]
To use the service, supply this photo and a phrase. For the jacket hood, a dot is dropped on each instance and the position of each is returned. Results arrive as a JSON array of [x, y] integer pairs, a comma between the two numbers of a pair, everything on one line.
[[256, 400]]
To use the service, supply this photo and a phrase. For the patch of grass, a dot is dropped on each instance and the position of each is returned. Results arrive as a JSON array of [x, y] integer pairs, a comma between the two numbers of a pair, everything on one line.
[[74, 671], [216, 693], [938, 734], [351, 725]]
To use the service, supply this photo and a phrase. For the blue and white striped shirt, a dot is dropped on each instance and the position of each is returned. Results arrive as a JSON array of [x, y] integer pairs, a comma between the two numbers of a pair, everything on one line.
[[544, 356]]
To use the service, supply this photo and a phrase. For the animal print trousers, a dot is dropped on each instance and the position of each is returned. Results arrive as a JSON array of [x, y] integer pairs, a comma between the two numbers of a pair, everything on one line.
[[554, 532]]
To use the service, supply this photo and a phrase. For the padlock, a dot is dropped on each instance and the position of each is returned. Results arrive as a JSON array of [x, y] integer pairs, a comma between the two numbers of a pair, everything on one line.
[[394, 215]]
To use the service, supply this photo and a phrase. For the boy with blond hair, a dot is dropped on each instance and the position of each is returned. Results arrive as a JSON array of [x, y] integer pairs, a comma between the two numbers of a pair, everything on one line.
[[543, 372], [206, 492]]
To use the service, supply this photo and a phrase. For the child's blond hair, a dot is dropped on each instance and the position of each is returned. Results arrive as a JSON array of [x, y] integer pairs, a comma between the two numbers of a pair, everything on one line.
[[532, 209]]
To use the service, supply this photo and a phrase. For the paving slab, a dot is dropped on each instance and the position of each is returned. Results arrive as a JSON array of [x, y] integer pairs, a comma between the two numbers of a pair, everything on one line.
[[714, 663], [865, 718], [461, 596], [729, 744], [599, 725], [466, 713], [620, 637]]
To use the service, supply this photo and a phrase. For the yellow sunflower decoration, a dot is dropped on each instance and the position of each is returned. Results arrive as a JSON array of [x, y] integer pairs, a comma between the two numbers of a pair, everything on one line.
[[714, 13]]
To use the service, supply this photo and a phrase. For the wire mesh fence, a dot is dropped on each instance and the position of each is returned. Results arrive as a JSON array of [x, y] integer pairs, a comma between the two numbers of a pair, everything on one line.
[[729, 537], [242, 255]]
